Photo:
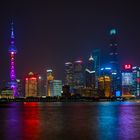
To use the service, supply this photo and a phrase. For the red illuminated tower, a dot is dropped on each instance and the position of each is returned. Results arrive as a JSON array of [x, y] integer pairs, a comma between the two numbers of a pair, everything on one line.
[[12, 50]]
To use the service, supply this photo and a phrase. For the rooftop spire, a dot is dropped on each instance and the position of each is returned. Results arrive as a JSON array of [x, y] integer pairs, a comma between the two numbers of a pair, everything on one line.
[[12, 30], [91, 58], [12, 47]]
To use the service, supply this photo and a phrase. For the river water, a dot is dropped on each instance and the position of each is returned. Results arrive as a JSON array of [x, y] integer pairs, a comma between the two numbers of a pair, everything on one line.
[[70, 121]]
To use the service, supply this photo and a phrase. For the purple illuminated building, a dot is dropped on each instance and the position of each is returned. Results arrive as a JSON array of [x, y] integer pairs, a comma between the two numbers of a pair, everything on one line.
[[12, 50]]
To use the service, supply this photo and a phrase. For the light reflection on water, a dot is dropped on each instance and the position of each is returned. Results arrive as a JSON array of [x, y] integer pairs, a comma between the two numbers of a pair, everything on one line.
[[70, 121]]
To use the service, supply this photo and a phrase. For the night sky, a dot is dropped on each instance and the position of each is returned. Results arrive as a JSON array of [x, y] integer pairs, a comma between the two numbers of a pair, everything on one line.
[[50, 33]]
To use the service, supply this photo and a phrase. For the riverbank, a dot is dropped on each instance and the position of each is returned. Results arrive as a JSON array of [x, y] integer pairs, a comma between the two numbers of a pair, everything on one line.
[[71, 99]]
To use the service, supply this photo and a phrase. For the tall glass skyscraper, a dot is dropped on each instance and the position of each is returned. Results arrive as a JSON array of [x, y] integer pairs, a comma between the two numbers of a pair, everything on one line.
[[113, 61], [96, 56], [49, 81], [90, 73], [78, 74], [113, 50], [69, 73]]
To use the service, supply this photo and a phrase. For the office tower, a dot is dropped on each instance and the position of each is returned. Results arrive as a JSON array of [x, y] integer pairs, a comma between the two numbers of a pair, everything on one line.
[[31, 84], [13, 51], [56, 88], [96, 56], [69, 73], [113, 62], [41, 87], [90, 73], [136, 81], [19, 87], [105, 81], [113, 50], [78, 74], [104, 86], [127, 80], [50, 79], [66, 91]]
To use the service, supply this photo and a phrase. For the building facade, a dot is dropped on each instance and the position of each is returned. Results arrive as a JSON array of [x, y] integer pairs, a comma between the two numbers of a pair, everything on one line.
[[136, 81], [127, 80], [90, 80], [96, 56], [113, 51], [49, 85], [69, 74], [56, 88], [78, 74], [104, 86], [31, 85]]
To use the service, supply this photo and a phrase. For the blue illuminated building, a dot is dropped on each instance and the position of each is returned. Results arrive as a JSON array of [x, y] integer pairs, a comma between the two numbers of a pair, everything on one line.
[[136, 81]]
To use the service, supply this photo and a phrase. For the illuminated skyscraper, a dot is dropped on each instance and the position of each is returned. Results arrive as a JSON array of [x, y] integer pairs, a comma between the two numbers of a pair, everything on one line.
[[69, 74], [31, 84], [96, 56], [127, 80], [56, 87], [136, 81], [12, 50], [50, 79], [113, 62], [90, 73], [78, 74], [113, 52], [104, 86]]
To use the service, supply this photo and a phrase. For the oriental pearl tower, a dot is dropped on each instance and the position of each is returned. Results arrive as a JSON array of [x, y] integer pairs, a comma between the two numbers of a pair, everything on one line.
[[12, 51]]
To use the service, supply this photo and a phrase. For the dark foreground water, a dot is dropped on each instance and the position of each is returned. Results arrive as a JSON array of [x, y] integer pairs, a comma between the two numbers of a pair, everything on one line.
[[70, 121]]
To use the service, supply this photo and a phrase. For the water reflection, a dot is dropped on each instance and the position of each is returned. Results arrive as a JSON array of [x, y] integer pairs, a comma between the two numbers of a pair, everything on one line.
[[30, 121], [10, 121], [129, 121], [69, 121], [107, 121]]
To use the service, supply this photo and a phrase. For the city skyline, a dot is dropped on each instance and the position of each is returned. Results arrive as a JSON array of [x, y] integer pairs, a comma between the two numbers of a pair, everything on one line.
[[62, 32]]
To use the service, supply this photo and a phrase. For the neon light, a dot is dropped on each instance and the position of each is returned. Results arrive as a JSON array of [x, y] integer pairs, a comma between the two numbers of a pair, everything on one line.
[[91, 58], [102, 68], [114, 73], [31, 73], [90, 71], [68, 63], [128, 66], [39, 77], [118, 93], [134, 67], [79, 61], [49, 70], [33, 78], [113, 31], [108, 68]]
